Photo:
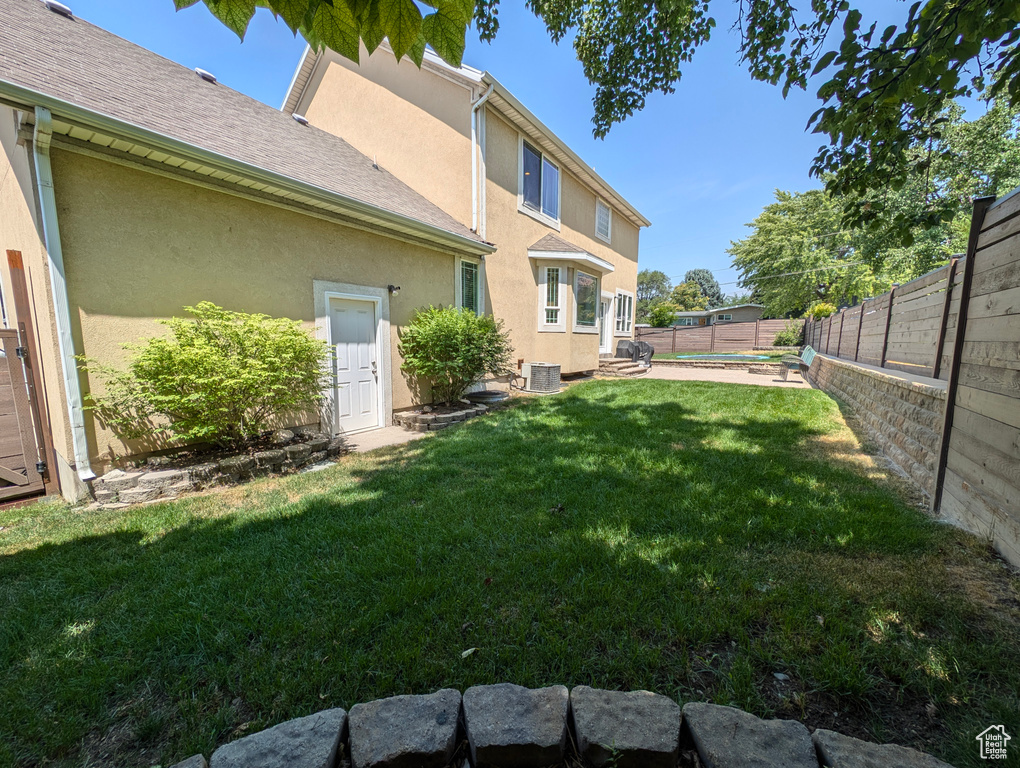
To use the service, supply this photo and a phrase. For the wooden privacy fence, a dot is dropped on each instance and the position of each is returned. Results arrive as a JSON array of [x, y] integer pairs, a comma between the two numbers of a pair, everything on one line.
[[721, 337], [961, 324], [911, 328]]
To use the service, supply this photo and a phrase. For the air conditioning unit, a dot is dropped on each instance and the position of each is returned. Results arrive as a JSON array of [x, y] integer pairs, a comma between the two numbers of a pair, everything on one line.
[[541, 377]]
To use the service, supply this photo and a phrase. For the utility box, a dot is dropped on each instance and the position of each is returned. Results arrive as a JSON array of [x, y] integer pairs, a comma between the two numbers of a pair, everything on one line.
[[541, 377]]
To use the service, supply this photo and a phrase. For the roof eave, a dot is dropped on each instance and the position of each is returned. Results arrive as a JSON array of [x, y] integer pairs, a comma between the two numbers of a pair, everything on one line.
[[27, 99]]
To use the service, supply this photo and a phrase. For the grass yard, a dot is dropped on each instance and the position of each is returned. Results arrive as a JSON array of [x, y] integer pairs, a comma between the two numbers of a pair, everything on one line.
[[689, 538]]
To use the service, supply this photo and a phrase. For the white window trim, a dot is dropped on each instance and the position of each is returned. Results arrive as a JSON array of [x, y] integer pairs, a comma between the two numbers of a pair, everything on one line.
[[458, 287], [610, 298], [609, 238], [598, 293], [628, 332], [549, 221], [543, 277]]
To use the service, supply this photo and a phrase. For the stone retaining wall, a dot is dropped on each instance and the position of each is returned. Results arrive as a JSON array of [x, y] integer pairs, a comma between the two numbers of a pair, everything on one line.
[[429, 421], [507, 726], [121, 488], [901, 415]]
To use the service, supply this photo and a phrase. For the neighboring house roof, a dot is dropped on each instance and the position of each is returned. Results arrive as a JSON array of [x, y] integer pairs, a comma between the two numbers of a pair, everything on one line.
[[555, 247], [503, 102], [100, 87], [706, 312]]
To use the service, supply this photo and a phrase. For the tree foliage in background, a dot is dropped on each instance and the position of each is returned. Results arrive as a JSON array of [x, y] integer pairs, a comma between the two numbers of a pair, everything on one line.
[[653, 287], [819, 310], [221, 377], [882, 91], [798, 252], [688, 297], [663, 314], [451, 349], [922, 224], [709, 286], [791, 336]]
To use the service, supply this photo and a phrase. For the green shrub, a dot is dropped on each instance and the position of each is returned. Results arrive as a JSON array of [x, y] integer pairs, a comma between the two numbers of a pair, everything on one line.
[[450, 349], [820, 310], [791, 336], [663, 314], [220, 377]]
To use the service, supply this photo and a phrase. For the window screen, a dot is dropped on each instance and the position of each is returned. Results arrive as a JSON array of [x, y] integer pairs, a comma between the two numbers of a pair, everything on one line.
[[469, 286]]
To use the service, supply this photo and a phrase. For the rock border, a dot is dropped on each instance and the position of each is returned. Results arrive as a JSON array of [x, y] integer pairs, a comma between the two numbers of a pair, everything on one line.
[[427, 421], [122, 488], [508, 726]]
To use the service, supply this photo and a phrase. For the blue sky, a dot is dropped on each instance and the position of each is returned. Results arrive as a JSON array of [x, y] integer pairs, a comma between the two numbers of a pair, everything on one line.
[[700, 163]]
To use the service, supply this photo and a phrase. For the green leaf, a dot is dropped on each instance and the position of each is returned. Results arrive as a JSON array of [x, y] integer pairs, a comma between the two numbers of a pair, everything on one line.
[[294, 13], [234, 13], [823, 62], [401, 23], [335, 27], [182, 4], [445, 34], [416, 52], [372, 33]]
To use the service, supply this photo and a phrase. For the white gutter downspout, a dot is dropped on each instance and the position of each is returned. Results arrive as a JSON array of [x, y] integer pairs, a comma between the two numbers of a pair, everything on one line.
[[58, 284], [474, 156]]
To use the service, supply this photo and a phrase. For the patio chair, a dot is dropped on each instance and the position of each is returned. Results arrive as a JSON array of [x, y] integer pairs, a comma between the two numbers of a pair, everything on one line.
[[801, 363]]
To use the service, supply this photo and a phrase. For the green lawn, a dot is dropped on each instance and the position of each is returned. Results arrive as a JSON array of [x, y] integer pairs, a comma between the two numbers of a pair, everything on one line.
[[688, 538]]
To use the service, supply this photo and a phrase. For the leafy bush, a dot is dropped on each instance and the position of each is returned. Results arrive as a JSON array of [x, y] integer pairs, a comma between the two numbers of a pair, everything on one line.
[[220, 377], [820, 310], [791, 336], [451, 349], [662, 314]]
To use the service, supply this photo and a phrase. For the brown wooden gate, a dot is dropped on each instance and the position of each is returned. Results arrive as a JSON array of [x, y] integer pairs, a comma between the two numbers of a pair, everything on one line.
[[19, 449]]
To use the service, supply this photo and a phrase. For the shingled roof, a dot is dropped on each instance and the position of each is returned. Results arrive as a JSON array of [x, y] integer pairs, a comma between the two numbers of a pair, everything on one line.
[[68, 61]]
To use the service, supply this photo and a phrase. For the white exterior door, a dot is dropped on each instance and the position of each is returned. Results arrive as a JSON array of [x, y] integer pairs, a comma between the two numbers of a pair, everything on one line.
[[352, 327], [604, 334]]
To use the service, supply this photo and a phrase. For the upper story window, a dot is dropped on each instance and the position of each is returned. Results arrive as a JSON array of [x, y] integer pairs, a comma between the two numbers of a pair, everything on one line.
[[469, 286], [723, 318], [540, 182], [624, 312], [603, 221]]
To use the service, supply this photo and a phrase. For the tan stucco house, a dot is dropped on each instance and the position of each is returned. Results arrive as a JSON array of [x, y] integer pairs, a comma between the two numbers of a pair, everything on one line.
[[564, 275], [131, 187]]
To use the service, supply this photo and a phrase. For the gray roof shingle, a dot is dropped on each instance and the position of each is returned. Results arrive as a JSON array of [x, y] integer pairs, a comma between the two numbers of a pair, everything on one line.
[[77, 62], [556, 244]]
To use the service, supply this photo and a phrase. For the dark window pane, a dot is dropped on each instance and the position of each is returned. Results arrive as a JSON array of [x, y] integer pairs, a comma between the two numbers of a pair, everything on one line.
[[587, 299], [532, 177], [550, 190], [469, 286]]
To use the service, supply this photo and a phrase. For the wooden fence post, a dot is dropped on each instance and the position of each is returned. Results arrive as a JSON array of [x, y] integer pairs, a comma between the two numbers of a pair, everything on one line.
[[839, 339], [888, 321], [981, 206], [860, 326], [672, 347], [756, 324], [711, 347], [828, 333], [937, 366]]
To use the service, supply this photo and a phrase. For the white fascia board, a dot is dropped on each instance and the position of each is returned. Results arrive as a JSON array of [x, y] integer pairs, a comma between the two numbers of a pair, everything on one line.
[[583, 258]]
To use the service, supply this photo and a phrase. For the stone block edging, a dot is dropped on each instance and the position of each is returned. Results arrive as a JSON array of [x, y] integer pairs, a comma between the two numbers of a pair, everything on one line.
[[122, 487], [508, 726], [430, 421]]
